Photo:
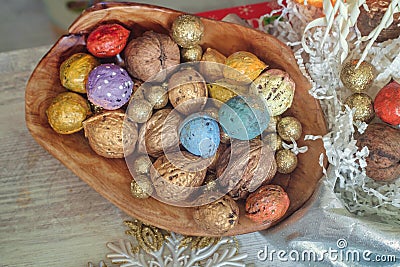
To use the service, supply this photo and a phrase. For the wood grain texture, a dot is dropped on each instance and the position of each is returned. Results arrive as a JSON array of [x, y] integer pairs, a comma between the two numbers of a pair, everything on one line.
[[110, 177]]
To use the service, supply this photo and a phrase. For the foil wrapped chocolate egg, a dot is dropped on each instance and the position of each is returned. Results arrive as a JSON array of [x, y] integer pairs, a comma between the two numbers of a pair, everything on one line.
[[110, 135], [66, 113], [276, 88], [75, 70], [107, 40], [244, 117], [109, 86], [199, 134]]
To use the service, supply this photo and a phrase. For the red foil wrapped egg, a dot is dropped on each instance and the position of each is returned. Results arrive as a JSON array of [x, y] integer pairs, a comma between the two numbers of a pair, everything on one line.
[[107, 40], [387, 103]]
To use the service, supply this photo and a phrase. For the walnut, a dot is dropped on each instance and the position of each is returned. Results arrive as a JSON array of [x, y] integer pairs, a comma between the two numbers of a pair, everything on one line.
[[110, 135], [187, 91], [160, 133], [149, 54], [176, 174], [217, 217], [268, 204], [245, 166], [383, 142], [369, 20]]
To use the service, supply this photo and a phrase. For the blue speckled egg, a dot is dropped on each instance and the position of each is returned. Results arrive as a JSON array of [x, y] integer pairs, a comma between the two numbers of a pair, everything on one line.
[[199, 134], [244, 117]]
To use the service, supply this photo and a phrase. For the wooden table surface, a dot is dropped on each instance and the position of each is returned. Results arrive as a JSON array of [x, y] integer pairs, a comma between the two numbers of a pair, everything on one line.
[[48, 216]]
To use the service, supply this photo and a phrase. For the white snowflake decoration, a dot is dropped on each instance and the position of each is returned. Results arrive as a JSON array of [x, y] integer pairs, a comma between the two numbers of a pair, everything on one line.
[[172, 254]]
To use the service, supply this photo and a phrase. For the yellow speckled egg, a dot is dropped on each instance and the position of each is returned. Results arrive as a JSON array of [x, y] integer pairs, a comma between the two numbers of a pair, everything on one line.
[[243, 67], [75, 70], [67, 112]]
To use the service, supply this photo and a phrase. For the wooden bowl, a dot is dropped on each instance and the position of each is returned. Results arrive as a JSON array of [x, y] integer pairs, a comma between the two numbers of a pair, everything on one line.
[[110, 177]]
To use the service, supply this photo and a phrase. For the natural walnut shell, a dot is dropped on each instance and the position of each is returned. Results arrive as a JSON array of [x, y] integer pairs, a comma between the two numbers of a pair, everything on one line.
[[149, 54], [268, 204], [187, 91], [176, 174], [383, 142], [161, 133], [246, 165], [217, 217], [369, 20], [109, 135]]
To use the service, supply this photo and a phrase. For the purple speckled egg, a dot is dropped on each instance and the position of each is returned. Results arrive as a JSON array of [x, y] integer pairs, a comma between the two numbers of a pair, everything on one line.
[[109, 86]]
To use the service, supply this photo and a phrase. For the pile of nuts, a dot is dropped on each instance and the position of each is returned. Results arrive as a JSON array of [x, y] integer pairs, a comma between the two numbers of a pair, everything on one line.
[[188, 131]]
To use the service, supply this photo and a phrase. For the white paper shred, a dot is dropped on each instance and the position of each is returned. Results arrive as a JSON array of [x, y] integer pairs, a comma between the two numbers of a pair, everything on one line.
[[326, 42]]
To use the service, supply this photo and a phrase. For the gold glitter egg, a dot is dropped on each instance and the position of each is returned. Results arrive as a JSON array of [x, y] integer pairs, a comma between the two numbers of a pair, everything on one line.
[[141, 187], [66, 113], [286, 161], [363, 105], [110, 135], [276, 88], [141, 165], [217, 217], [157, 95], [274, 141], [289, 127], [139, 110], [187, 30], [243, 67], [357, 79], [191, 54], [75, 70]]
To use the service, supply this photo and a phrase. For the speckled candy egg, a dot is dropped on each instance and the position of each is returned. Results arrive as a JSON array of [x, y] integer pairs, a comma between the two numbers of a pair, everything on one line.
[[109, 86], [244, 117], [199, 134], [75, 70], [107, 40]]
